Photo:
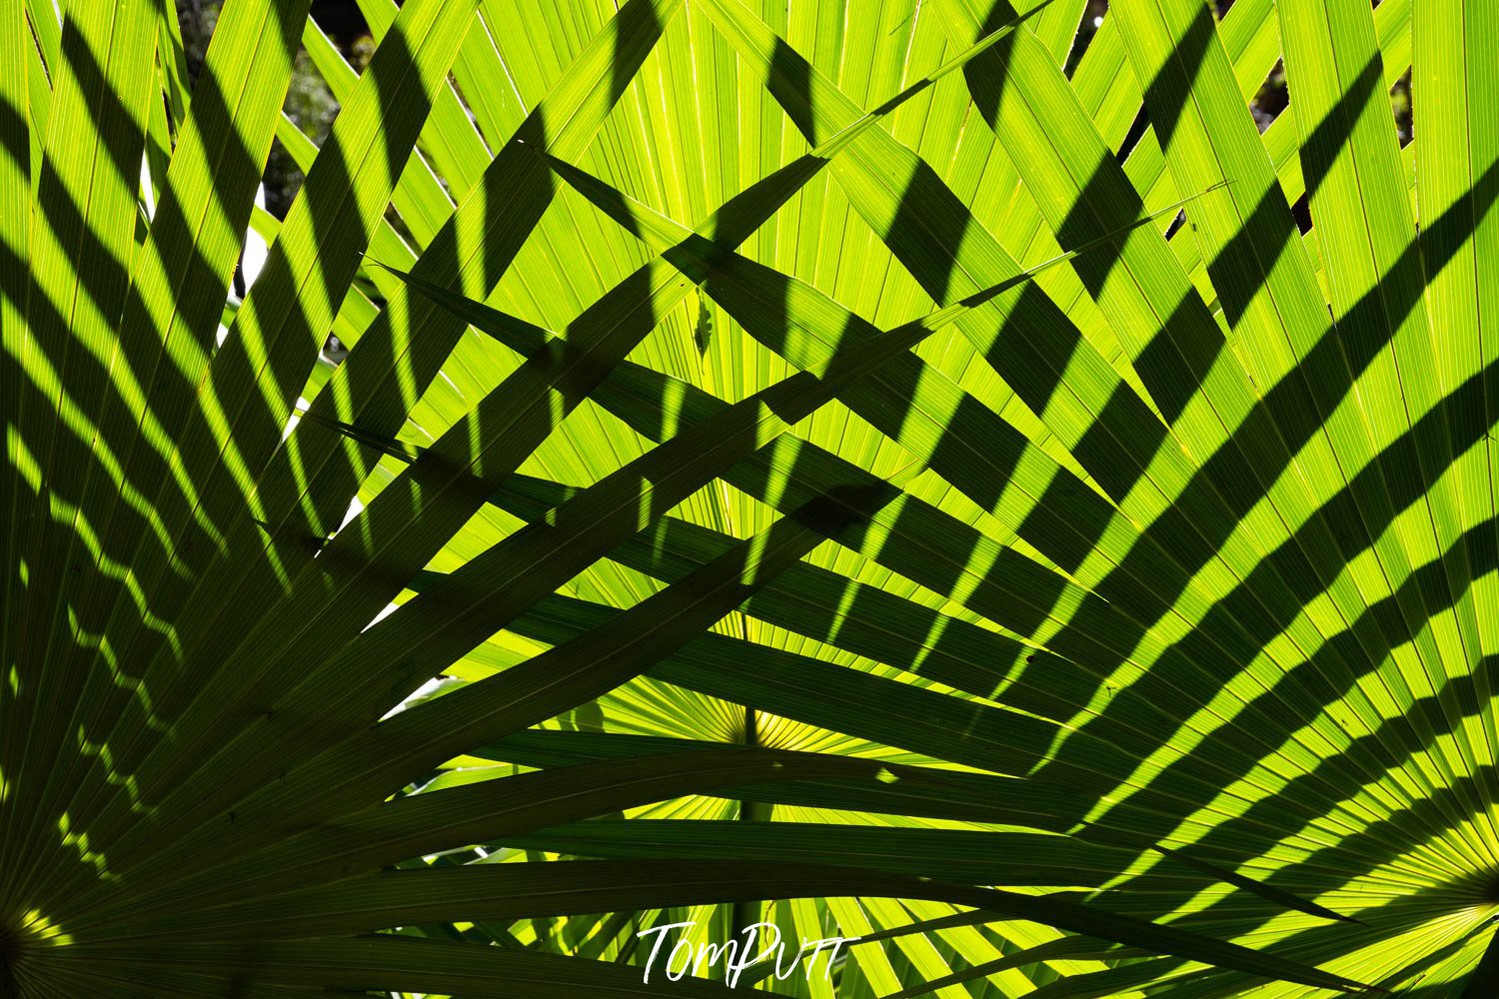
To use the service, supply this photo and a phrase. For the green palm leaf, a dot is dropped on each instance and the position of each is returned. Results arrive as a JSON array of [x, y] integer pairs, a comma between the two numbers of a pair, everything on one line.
[[936, 472]]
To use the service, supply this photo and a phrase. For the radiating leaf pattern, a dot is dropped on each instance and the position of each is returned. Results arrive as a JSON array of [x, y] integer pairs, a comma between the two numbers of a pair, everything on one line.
[[897, 471]]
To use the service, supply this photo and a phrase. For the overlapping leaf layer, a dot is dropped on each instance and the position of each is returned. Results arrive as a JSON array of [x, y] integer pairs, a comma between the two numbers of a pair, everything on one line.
[[889, 470]]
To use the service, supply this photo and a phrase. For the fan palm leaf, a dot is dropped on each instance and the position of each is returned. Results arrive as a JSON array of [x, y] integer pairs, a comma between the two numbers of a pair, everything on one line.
[[900, 473]]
